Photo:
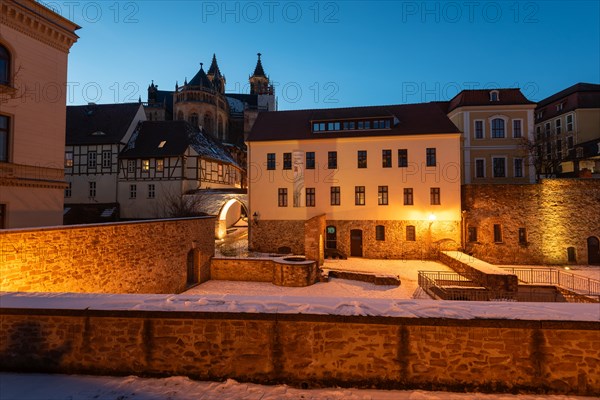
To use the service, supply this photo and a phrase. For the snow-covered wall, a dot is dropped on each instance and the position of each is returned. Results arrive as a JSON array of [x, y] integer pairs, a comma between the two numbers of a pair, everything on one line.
[[176, 335]]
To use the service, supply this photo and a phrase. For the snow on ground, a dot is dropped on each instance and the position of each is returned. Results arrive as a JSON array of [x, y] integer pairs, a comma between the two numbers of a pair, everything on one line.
[[82, 387]]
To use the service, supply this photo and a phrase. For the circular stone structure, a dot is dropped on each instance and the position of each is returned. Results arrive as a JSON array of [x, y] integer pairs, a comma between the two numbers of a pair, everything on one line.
[[294, 271]]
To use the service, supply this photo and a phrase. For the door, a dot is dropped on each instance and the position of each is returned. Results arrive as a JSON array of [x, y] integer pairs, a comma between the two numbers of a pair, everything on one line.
[[356, 243], [593, 250], [192, 268], [331, 238]]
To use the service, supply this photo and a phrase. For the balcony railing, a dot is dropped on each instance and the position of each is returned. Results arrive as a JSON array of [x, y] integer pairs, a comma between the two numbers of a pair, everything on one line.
[[554, 276]]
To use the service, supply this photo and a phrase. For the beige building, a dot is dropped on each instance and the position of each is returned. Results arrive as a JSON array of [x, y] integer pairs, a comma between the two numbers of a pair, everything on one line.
[[386, 178], [34, 46], [567, 132], [497, 124]]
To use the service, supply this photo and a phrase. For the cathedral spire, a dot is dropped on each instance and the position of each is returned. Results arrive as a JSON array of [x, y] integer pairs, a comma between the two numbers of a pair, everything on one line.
[[259, 71], [214, 67]]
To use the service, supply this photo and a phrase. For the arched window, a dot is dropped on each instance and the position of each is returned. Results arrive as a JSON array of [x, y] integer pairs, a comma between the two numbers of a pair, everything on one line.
[[4, 66], [221, 136], [497, 128], [194, 119], [494, 95]]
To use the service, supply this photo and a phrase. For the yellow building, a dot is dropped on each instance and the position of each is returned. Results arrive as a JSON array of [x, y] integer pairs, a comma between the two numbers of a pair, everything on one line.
[[34, 46], [497, 125], [387, 179], [567, 132]]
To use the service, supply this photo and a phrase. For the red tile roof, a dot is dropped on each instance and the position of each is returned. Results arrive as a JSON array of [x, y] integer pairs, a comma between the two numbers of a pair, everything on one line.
[[481, 97], [410, 119]]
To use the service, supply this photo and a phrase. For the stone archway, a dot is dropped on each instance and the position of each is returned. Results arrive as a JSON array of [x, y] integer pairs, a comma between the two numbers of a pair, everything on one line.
[[230, 213]]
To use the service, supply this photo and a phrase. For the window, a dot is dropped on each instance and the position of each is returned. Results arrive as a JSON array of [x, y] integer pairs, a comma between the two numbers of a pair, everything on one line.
[[332, 160], [359, 195], [479, 168], [570, 142], [522, 235], [310, 160], [549, 149], [547, 129], [402, 158], [333, 126], [558, 126], [287, 160], [499, 164], [386, 158], [146, 165], [518, 167], [382, 196], [2, 216], [160, 165], [335, 196], [367, 124], [408, 196], [106, 158], [151, 191], [282, 198], [497, 128], [559, 106], [431, 157], [411, 234], [360, 124], [4, 66], [434, 195], [494, 95], [4, 134], [538, 132], [559, 149], [517, 132], [68, 159], [310, 197], [92, 189], [131, 166], [271, 161], [92, 159], [579, 152], [362, 159], [497, 233], [194, 120], [69, 189], [479, 129], [318, 126], [132, 191], [570, 123], [472, 234], [380, 232]]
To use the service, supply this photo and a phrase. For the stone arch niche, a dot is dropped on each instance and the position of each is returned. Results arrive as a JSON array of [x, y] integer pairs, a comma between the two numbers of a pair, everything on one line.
[[230, 213]]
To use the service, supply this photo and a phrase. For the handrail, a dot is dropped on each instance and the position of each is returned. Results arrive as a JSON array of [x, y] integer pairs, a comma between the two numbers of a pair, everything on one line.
[[554, 276]]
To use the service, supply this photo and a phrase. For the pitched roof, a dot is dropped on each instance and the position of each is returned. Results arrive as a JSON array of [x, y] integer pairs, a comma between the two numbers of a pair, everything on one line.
[[99, 123], [583, 88], [147, 141], [200, 79], [409, 119], [481, 97]]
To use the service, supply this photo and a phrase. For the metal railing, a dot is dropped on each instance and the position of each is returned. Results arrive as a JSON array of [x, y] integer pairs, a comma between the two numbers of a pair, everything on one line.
[[554, 276], [453, 286]]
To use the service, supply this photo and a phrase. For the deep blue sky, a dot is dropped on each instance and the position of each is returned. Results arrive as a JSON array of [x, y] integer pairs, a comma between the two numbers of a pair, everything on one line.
[[334, 53]]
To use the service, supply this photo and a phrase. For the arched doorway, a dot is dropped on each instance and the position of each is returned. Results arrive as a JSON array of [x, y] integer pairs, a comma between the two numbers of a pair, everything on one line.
[[232, 211], [356, 243], [593, 245], [192, 268]]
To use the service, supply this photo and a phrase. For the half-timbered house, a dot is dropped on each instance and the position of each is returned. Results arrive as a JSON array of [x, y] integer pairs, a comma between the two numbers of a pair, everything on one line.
[[163, 161]]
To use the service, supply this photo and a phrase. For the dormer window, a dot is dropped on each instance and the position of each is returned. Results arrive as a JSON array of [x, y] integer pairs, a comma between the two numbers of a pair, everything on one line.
[[559, 106], [494, 95]]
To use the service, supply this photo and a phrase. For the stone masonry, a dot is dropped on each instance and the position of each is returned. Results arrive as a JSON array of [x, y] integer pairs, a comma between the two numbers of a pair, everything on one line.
[[357, 351], [135, 257]]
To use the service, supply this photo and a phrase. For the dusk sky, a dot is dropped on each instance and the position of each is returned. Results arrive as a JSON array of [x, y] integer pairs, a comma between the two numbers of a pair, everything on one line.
[[337, 53]]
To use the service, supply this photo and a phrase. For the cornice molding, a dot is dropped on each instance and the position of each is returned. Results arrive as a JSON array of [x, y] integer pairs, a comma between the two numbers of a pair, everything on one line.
[[39, 22]]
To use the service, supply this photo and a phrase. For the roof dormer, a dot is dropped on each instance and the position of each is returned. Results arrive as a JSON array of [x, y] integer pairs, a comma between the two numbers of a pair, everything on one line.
[[494, 95]]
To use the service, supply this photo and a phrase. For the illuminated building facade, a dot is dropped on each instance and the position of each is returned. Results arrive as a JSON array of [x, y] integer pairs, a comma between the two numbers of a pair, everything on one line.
[[387, 179], [34, 47]]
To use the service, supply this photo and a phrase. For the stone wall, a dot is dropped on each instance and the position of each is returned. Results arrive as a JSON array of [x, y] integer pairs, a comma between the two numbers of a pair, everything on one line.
[[134, 257], [314, 240], [431, 237], [481, 273], [556, 214], [363, 351], [275, 270]]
